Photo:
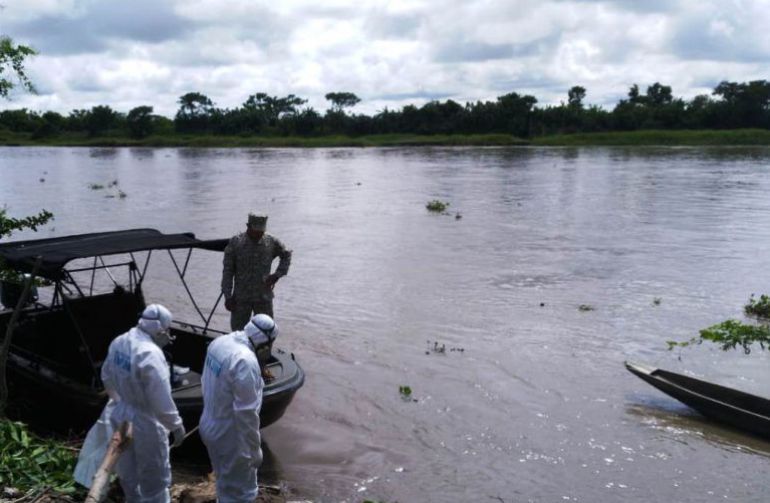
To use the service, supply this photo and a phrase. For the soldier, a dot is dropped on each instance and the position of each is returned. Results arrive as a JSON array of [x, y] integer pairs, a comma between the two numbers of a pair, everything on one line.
[[247, 282]]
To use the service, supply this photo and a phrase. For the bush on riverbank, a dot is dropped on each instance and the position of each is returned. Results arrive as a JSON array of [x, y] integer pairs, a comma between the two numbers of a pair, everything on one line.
[[35, 465]]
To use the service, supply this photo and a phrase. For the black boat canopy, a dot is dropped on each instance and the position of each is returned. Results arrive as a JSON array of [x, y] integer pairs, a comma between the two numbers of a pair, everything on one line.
[[56, 252]]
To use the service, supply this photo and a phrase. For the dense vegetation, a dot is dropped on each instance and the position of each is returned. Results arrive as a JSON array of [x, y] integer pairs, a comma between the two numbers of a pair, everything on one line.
[[35, 466], [732, 105]]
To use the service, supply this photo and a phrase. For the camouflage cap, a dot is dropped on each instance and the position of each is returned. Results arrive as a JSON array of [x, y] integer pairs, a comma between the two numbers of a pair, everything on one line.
[[257, 222]]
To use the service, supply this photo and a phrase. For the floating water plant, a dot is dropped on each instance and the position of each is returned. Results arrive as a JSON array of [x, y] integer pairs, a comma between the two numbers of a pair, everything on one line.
[[406, 392], [759, 308], [585, 307], [729, 335], [437, 206]]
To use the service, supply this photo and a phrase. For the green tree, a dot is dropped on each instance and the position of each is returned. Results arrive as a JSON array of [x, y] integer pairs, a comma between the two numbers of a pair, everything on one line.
[[100, 119], [744, 104], [342, 100], [515, 112], [658, 95], [12, 59], [575, 96], [195, 104], [273, 108], [140, 121], [51, 125], [194, 114]]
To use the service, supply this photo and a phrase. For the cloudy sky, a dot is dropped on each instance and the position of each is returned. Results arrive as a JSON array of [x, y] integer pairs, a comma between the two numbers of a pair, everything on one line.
[[126, 53]]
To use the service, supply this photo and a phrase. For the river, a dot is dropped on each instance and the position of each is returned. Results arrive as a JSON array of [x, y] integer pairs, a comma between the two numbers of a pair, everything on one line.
[[530, 400]]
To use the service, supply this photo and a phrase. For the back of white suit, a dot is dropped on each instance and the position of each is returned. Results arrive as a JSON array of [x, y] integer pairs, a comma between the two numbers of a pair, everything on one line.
[[229, 427], [137, 373]]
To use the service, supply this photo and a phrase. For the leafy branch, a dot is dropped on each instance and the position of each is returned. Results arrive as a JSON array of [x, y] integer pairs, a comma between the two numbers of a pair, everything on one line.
[[730, 334], [9, 225], [12, 57], [30, 462]]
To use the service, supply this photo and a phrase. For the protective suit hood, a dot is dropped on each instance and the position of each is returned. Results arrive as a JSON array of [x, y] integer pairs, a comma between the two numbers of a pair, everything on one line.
[[261, 329], [156, 321]]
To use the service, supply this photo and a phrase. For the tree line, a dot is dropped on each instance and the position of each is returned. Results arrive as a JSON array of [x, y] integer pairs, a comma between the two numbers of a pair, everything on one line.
[[731, 105]]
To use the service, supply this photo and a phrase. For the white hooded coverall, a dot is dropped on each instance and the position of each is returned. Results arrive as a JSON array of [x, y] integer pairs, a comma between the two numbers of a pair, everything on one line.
[[137, 374], [229, 426]]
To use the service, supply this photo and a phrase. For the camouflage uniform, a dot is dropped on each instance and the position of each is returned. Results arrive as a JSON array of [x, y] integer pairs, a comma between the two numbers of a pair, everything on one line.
[[246, 266]]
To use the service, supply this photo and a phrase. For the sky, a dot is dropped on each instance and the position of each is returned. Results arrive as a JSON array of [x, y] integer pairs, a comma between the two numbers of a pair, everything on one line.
[[127, 53]]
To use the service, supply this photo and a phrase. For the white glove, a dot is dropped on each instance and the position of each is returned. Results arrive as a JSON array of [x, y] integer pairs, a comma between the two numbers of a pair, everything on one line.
[[178, 435]]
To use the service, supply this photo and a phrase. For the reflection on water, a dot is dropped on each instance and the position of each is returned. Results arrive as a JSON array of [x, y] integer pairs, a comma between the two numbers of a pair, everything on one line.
[[681, 423], [538, 406]]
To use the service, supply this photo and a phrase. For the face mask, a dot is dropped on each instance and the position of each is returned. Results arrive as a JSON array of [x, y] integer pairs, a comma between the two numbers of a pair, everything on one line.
[[163, 338]]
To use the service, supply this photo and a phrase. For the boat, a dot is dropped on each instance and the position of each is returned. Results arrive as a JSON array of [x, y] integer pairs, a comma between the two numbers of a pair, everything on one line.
[[93, 293], [741, 410]]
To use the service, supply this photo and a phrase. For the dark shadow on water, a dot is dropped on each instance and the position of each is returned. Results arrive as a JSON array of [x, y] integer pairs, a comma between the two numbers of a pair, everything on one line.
[[103, 152]]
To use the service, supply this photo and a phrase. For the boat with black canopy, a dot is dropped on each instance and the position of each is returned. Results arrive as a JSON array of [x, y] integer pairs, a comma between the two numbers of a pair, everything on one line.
[[744, 411], [93, 293]]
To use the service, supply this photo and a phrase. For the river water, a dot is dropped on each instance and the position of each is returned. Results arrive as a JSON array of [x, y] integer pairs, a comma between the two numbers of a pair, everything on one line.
[[530, 400]]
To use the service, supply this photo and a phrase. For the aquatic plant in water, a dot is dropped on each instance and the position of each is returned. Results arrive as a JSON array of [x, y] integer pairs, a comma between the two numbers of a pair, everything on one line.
[[437, 206], [406, 392], [758, 307], [732, 333], [729, 335]]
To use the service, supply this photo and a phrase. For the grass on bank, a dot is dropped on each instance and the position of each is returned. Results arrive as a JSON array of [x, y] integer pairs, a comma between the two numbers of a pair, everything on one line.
[[726, 137], [385, 140], [732, 137]]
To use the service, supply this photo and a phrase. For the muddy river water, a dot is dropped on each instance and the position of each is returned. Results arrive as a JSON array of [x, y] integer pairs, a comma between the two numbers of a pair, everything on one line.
[[529, 400]]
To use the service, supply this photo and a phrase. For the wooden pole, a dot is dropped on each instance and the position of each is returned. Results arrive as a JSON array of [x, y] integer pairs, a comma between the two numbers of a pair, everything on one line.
[[120, 440], [6, 347]]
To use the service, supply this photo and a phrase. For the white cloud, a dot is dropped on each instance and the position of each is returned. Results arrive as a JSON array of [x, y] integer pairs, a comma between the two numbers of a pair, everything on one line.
[[149, 52]]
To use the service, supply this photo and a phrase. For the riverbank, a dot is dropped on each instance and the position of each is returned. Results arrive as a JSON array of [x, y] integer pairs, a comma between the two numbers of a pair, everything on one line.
[[39, 469], [220, 141], [734, 137], [727, 137]]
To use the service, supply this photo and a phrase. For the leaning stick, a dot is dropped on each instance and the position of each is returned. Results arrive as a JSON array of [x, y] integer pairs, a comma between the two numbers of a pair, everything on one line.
[[120, 440]]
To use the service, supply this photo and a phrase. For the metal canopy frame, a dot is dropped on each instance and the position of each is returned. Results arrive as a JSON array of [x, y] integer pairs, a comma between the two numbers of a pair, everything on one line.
[[137, 271]]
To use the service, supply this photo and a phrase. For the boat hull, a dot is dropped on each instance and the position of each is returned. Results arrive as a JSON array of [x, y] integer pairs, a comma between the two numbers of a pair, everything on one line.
[[744, 411], [45, 398]]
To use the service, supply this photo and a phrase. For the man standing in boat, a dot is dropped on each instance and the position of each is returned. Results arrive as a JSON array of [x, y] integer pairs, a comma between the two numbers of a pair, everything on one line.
[[247, 281]]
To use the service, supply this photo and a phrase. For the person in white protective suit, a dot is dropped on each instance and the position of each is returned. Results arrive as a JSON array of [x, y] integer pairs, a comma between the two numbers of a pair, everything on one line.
[[136, 376], [232, 399]]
